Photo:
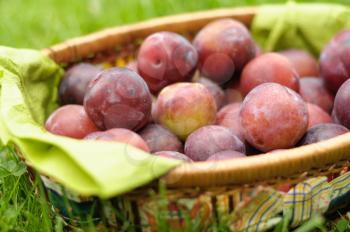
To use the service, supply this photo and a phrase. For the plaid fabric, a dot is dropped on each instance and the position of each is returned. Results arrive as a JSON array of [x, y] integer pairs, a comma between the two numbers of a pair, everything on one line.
[[266, 208], [340, 185], [306, 198], [259, 213], [257, 210]]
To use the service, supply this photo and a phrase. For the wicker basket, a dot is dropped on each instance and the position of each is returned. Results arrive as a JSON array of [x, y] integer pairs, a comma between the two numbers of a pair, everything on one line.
[[119, 45]]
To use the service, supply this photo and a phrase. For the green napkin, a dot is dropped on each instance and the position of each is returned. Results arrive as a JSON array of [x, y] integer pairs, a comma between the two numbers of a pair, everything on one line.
[[305, 26], [28, 94]]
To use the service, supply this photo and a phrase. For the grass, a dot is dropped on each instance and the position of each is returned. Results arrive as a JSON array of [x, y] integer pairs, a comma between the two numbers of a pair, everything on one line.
[[21, 207], [41, 23]]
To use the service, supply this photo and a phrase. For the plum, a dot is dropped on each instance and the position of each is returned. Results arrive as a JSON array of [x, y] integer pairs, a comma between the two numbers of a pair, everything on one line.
[[317, 115], [312, 90], [304, 63], [273, 117], [71, 121], [152, 117], [342, 103], [224, 47], [269, 67], [153, 111], [165, 58], [334, 117], [132, 65], [118, 98], [345, 55], [185, 107], [228, 117], [251, 150], [160, 139], [225, 155], [215, 90], [233, 92], [174, 155], [208, 140], [276, 151], [120, 135], [74, 84], [258, 50], [233, 96], [334, 69], [322, 132]]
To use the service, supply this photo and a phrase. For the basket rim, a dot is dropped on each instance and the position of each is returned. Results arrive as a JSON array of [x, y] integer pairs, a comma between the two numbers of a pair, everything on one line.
[[300, 161], [83, 46], [252, 169]]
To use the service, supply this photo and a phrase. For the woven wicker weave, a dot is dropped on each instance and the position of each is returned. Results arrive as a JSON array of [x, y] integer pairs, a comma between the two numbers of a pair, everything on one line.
[[290, 166]]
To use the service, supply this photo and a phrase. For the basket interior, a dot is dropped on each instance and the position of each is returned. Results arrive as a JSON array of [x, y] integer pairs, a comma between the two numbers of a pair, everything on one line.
[[118, 46]]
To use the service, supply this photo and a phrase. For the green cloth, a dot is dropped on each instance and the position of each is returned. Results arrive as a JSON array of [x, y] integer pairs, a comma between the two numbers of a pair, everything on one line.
[[28, 94], [305, 26]]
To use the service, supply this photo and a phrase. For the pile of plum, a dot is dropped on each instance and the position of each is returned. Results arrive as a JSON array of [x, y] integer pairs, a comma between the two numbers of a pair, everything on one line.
[[216, 98]]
